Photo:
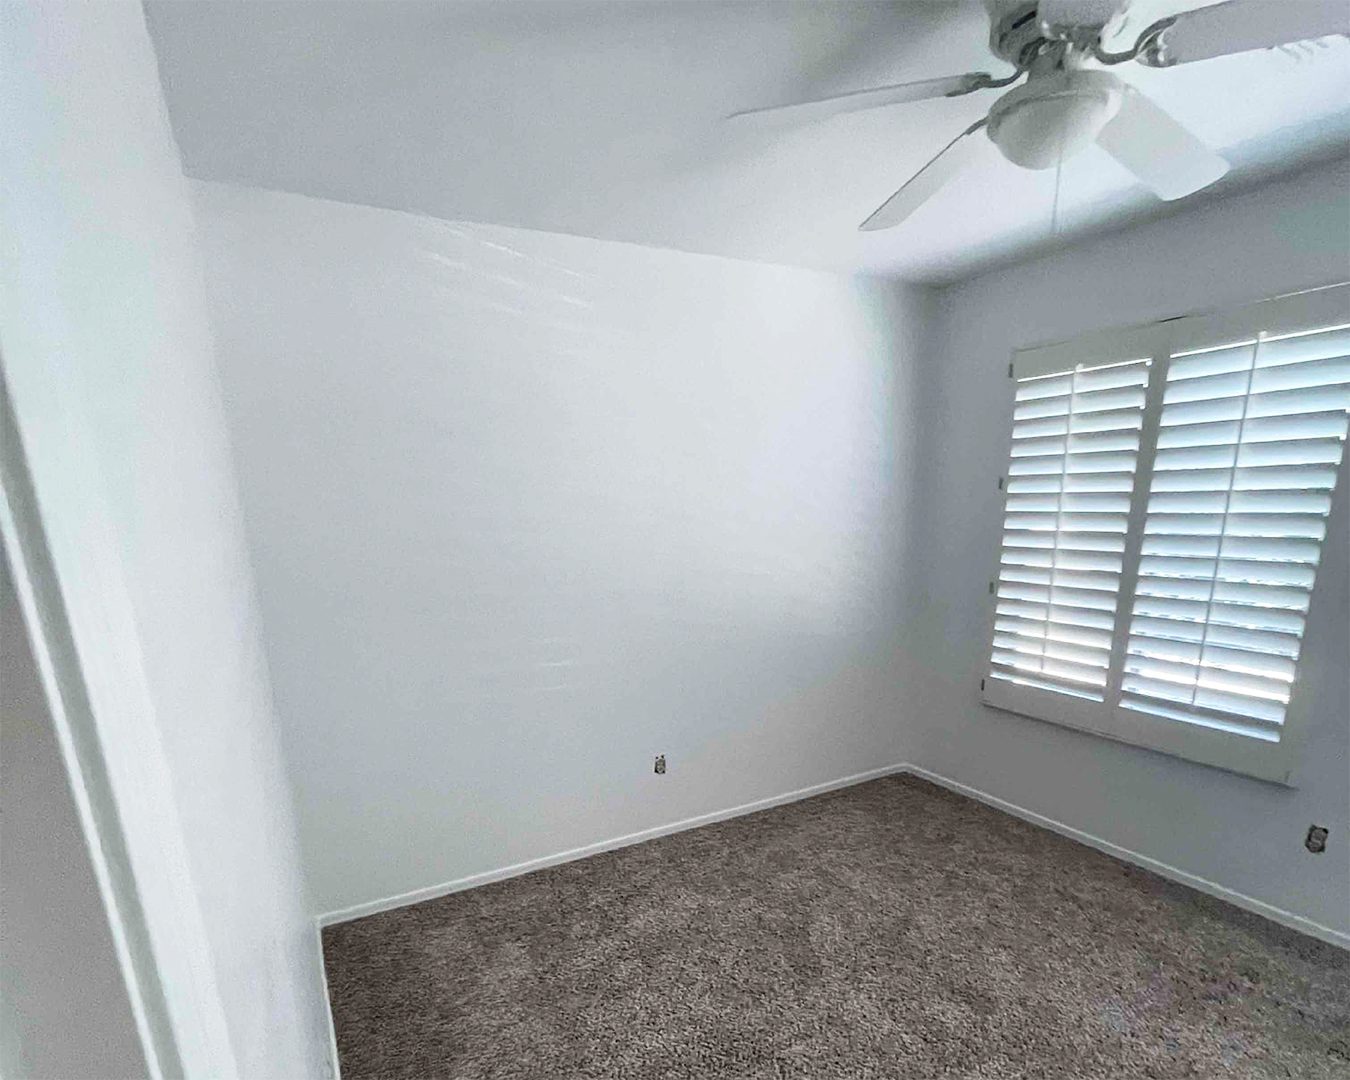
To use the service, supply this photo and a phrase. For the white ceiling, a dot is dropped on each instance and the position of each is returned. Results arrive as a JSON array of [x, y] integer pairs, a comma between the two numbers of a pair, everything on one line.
[[603, 119]]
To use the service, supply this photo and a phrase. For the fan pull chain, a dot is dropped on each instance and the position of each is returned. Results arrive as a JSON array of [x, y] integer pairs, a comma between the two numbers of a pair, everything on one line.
[[1054, 207]]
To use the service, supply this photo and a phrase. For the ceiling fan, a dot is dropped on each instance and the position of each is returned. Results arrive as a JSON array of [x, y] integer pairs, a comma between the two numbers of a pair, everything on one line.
[[1069, 100]]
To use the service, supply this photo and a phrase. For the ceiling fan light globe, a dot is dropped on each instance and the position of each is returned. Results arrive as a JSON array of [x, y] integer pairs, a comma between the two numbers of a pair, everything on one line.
[[1049, 120]]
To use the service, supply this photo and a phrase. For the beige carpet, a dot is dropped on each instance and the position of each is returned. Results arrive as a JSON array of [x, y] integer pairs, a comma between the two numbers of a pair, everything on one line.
[[888, 930]]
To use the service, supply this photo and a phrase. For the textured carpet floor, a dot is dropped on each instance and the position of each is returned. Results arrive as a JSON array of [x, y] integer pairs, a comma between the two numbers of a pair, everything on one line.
[[887, 930]]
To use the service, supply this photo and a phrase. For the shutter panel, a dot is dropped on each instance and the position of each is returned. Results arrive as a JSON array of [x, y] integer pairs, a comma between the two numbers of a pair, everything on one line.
[[1249, 441], [1075, 447]]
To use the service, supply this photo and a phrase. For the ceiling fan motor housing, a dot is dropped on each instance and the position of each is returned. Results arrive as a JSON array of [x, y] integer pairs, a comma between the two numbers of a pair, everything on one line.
[[1050, 118]]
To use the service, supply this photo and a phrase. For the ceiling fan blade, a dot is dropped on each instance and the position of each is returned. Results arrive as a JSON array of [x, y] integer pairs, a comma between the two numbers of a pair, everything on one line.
[[950, 160], [1165, 156], [1239, 25], [857, 100]]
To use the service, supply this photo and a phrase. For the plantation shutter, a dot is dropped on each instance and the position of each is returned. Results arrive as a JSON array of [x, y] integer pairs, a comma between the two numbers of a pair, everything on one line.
[[1249, 442], [1075, 445], [1167, 498]]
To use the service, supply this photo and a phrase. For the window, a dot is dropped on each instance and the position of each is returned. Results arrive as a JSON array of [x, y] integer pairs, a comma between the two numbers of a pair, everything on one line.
[[1167, 497]]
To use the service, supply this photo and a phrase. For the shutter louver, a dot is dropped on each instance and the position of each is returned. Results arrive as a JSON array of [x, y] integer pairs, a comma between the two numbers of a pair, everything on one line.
[[1074, 453], [1250, 438]]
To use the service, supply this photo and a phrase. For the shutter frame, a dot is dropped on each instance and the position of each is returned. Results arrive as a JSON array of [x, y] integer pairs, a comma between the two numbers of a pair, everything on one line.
[[1252, 506]]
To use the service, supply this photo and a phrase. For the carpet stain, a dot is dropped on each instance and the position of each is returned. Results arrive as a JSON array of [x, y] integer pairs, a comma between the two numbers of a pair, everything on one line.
[[893, 929]]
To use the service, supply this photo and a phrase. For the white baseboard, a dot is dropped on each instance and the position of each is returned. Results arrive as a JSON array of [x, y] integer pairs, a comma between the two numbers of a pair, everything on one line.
[[487, 877], [334, 1069], [1247, 903], [1204, 885]]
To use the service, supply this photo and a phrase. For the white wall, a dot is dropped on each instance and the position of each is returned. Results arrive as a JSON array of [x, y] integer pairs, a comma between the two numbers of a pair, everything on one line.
[[1243, 834], [528, 509], [64, 1010], [109, 362]]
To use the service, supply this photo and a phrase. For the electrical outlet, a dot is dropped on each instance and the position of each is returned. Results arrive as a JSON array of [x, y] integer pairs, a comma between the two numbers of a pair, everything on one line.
[[1316, 840], [660, 769]]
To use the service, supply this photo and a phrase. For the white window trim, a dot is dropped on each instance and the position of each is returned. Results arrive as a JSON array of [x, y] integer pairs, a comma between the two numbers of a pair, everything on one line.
[[1251, 757]]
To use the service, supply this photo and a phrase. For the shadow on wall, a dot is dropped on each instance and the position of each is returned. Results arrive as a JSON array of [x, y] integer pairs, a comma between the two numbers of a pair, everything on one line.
[[56, 951]]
